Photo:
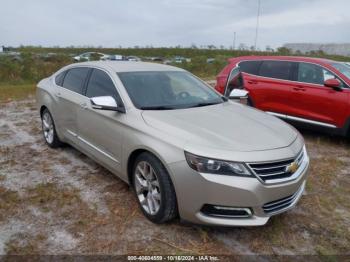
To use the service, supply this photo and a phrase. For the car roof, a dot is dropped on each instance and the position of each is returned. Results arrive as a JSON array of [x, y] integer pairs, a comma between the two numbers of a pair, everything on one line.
[[321, 61], [129, 66]]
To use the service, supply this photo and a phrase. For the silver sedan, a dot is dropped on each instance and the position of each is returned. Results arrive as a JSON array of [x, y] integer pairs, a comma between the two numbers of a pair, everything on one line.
[[186, 150]]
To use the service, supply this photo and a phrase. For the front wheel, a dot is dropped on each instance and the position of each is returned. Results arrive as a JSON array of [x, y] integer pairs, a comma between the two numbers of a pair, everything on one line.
[[49, 130], [154, 189]]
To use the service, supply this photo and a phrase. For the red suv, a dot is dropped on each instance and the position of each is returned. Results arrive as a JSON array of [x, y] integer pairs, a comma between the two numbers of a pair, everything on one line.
[[303, 90]]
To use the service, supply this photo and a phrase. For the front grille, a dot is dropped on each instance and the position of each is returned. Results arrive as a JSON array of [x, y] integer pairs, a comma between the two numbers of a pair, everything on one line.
[[277, 205], [270, 171]]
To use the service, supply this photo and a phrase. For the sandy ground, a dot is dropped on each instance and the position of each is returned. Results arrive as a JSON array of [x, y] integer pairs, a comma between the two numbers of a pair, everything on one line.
[[61, 202]]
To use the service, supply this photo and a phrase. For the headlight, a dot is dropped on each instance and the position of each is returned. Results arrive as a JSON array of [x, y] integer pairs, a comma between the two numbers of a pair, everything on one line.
[[213, 166]]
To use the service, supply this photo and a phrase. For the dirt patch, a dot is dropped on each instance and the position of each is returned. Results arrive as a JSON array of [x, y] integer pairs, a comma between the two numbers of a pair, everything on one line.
[[62, 202]]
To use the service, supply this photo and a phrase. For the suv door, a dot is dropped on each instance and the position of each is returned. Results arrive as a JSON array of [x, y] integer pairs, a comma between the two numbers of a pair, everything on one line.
[[100, 131], [250, 79], [69, 98], [271, 90], [234, 81], [314, 101]]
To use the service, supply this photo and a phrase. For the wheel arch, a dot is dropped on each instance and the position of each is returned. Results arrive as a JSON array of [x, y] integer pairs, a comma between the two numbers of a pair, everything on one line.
[[42, 108], [135, 153]]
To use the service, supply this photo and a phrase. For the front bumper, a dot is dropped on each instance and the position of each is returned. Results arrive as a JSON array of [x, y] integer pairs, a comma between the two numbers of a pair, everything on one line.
[[195, 190]]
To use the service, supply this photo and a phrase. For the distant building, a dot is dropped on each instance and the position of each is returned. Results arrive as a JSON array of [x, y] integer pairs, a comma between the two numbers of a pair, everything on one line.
[[1, 49], [332, 49]]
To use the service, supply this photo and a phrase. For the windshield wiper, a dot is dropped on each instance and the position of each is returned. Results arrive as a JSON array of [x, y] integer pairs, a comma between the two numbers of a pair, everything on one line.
[[206, 104], [157, 107]]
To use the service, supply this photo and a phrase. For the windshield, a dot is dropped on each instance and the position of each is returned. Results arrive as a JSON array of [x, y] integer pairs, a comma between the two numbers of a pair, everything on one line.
[[165, 90], [342, 68]]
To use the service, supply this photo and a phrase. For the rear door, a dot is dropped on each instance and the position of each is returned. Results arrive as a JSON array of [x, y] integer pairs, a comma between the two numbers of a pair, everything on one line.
[[70, 96], [100, 131], [314, 101], [271, 89]]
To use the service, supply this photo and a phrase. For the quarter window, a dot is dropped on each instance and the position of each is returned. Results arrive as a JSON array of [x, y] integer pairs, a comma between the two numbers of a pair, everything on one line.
[[75, 78], [59, 78], [100, 84], [276, 69]]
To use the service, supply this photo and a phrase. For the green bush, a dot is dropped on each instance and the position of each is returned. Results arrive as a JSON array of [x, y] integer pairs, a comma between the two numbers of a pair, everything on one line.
[[36, 63], [29, 67]]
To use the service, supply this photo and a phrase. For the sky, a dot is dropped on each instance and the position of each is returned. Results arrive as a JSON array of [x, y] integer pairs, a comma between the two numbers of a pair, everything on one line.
[[129, 23]]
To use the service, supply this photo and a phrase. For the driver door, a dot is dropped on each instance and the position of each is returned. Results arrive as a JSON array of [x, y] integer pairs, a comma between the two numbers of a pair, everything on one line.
[[101, 131], [312, 100], [234, 81]]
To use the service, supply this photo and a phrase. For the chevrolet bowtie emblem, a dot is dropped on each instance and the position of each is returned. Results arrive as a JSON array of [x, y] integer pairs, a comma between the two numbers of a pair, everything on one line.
[[292, 168]]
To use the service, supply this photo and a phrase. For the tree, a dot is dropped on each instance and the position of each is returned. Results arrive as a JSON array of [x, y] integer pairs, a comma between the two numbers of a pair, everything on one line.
[[269, 49], [284, 50], [242, 46]]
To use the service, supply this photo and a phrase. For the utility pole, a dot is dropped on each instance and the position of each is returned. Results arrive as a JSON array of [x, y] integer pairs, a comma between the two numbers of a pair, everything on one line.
[[257, 26], [234, 41]]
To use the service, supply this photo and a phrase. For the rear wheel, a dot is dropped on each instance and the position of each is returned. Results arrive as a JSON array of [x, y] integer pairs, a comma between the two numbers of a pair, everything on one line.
[[49, 130], [154, 190]]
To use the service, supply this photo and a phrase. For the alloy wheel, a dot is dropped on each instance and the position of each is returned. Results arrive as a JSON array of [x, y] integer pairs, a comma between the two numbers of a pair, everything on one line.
[[147, 188], [48, 127]]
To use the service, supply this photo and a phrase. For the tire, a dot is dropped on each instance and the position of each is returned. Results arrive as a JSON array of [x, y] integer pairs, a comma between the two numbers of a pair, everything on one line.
[[153, 189], [49, 130]]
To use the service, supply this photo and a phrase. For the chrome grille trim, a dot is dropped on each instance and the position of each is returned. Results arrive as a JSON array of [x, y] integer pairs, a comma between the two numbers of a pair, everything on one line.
[[283, 204], [276, 171]]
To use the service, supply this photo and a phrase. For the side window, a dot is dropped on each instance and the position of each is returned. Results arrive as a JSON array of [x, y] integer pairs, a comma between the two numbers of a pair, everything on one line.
[[100, 84], [234, 80], [75, 78], [310, 73], [250, 67], [327, 75], [276, 69], [59, 78], [314, 74]]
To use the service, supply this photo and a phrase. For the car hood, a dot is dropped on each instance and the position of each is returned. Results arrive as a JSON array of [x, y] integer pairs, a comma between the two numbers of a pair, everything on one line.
[[226, 126]]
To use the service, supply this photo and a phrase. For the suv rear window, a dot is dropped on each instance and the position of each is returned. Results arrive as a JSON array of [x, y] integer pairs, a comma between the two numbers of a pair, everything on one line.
[[250, 67], [75, 78], [276, 69]]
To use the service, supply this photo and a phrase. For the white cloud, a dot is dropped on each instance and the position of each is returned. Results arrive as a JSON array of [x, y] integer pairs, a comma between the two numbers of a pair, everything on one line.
[[170, 22]]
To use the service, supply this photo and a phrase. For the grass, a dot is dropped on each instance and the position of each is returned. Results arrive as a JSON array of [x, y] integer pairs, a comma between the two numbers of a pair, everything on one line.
[[50, 194], [9, 92], [9, 201], [319, 224], [20, 245], [24, 244]]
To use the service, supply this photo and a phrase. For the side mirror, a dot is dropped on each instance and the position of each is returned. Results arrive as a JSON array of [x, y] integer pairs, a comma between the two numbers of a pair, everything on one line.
[[105, 103], [239, 95], [333, 83]]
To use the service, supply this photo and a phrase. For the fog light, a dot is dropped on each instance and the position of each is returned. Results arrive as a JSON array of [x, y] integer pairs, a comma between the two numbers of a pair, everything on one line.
[[226, 212]]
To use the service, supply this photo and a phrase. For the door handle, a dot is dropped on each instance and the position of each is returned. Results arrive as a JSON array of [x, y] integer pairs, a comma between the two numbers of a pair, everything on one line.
[[252, 82], [299, 88], [83, 106], [58, 94]]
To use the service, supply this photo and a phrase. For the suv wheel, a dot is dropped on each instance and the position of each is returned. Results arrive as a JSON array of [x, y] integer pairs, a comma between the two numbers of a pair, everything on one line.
[[154, 189], [49, 130]]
